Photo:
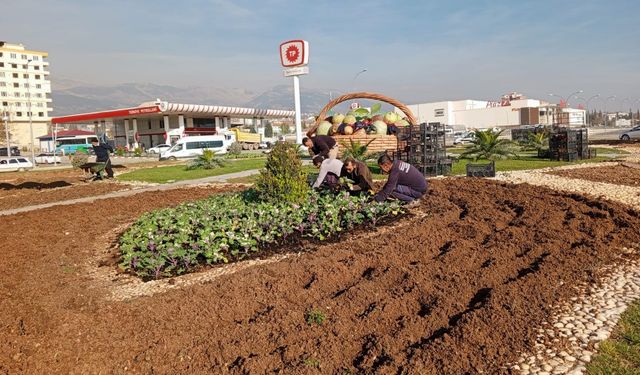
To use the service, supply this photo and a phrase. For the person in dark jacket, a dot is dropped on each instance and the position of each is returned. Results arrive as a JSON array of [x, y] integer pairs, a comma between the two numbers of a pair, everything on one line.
[[359, 173], [405, 182], [102, 151], [322, 145]]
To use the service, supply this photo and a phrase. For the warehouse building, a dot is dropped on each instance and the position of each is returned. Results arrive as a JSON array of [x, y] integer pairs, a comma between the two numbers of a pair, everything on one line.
[[512, 110]]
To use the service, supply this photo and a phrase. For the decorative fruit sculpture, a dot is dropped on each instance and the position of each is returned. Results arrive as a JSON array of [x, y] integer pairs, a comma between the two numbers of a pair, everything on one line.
[[362, 121], [324, 128]]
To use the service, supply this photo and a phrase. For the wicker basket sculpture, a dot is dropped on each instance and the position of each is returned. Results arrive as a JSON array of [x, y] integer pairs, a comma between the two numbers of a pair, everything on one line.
[[378, 143]]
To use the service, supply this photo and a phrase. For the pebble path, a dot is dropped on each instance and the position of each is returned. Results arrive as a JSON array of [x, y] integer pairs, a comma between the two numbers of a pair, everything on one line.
[[567, 342]]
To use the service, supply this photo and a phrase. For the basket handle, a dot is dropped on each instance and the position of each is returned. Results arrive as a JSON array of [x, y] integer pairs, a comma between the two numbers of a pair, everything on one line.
[[361, 95]]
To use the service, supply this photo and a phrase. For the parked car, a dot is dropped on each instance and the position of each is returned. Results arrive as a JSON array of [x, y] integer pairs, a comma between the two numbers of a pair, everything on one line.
[[633, 133], [15, 151], [193, 146], [15, 164], [159, 149], [465, 138], [47, 158]]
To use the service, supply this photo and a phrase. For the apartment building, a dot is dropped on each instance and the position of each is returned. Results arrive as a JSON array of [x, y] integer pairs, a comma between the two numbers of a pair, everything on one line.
[[25, 93]]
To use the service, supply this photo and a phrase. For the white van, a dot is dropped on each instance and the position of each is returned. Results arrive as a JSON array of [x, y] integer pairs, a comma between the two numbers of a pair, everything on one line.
[[190, 147]]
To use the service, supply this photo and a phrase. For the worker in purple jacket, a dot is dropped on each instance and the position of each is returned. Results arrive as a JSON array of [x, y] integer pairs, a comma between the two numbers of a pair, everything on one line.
[[405, 182]]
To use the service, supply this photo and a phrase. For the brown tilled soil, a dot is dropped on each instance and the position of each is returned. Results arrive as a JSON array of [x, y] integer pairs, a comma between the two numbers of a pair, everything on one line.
[[22, 189], [458, 288], [623, 174]]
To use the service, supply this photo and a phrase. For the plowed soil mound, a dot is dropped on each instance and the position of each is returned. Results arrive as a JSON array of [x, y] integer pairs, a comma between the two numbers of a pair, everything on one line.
[[32, 188], [625, 174], [458, 288]]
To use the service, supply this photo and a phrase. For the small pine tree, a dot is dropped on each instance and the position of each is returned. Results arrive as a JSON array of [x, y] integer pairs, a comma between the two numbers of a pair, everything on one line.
[[283, 179], [285, 129], [268, 130]]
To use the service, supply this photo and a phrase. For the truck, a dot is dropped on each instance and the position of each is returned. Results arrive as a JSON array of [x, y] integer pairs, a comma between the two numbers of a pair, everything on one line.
[[249, 141]]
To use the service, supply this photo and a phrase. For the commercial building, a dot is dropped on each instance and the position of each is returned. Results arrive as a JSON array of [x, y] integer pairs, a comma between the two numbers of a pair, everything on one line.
[[25, 93], [511, 110], [157, 122]]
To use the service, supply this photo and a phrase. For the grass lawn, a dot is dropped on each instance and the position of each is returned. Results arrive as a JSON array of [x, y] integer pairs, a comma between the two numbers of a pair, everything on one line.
[[621, 353], [179, 172], [519, 164]]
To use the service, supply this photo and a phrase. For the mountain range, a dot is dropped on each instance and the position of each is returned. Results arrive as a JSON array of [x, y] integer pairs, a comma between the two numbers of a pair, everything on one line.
[[70, 97]]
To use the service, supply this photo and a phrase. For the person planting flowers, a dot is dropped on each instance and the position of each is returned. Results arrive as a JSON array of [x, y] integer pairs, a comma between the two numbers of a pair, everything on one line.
[[329, 176], [360, 175], [405, 182], [321, 145]]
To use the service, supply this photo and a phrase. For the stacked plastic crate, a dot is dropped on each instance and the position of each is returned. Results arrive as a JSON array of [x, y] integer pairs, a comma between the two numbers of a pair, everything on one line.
[[563, 145], [423, 146]]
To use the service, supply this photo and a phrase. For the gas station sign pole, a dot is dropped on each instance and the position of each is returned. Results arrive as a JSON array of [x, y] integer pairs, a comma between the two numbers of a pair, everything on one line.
[[294, 56]]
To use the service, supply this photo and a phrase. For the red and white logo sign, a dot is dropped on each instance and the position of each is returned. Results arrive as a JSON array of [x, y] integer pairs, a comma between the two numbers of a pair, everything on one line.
[[294, 53]]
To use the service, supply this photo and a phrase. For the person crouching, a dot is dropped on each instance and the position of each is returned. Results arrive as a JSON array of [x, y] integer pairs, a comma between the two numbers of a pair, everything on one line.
[[405, 182], [329, 173]]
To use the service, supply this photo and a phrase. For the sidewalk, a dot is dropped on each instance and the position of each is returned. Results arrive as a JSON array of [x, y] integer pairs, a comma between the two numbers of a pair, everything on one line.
[[125, 193]]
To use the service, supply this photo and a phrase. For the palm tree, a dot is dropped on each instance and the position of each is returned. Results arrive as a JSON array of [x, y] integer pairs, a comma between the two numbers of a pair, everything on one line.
[[538, 141], [487, 144], [357, 150], [208, 160]]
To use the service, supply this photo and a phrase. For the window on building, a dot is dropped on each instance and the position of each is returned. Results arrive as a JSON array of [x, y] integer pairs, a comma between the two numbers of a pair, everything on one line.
[[15, 75], [19, 114], [1, 65], [3, 84], [14, 66], [0, 54], [438, 112], [26, 85], [25, 66], [14, 56], [36, 58], [24, 57], [37, 76], [3, 93], [40, 114], [18, 104], [36, 67], [38, 95], [38, 86], [5, 104], [149, 123], [25, 75], [1, 74], [39, 104], [16, 84], [16, 94]]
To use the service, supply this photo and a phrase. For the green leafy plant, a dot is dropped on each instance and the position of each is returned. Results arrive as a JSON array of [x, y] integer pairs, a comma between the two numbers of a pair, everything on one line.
[[228, 227], [79, 159], [208, 160], [315, 316], [358, 151], [487, 144], [119, 151], [538, 141], [268, 130], [283, 179], [235, 149], [137, 151], [312, 362]]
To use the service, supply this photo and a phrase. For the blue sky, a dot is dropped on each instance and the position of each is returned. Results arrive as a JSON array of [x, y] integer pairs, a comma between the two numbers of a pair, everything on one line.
[[414, 50]]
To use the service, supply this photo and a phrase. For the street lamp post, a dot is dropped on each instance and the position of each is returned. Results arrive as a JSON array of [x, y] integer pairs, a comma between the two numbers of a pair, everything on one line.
[[33, 155], [566, 101], [353, 82], [586, 104], [5, 118], [606, 115]]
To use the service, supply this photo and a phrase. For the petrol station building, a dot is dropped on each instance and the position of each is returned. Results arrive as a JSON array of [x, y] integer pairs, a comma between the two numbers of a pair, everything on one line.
[[153, 123]]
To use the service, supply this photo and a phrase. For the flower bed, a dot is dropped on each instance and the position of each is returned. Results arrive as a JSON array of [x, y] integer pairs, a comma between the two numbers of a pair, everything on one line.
[[233, 226]]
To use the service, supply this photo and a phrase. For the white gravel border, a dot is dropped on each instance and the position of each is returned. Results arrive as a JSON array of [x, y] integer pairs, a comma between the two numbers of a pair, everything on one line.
[[566, 343]]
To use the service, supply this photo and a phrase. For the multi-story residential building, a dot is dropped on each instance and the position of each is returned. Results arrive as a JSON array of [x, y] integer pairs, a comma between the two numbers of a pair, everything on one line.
[[25, 93]]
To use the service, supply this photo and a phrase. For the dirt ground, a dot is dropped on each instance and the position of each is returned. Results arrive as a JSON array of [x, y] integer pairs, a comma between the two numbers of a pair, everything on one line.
[[460, 287], [20, 189], [622, 174]]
